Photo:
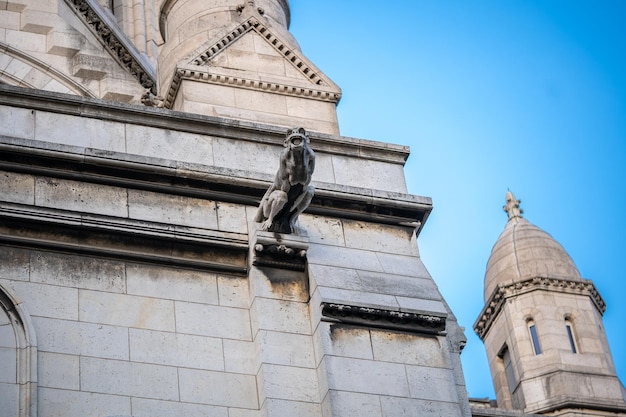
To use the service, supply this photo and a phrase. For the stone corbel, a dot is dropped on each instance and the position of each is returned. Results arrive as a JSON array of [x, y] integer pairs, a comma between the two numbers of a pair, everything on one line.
[[277, 250]]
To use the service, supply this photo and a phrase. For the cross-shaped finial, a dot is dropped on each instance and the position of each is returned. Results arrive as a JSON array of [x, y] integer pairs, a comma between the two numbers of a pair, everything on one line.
[[512, 206]]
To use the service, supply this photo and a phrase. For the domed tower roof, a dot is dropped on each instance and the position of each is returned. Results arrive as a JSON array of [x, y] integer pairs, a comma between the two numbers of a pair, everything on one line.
[[525, 251]]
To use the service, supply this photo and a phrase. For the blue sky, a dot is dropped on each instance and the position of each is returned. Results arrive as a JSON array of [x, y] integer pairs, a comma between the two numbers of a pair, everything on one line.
[[490, 95]]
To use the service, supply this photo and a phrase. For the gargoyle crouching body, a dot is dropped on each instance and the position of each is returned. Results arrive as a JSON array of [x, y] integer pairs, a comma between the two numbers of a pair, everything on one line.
[[290, 194]]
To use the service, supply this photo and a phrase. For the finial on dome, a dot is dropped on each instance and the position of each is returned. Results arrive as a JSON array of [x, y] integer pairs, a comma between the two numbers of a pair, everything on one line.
[[512, 206]]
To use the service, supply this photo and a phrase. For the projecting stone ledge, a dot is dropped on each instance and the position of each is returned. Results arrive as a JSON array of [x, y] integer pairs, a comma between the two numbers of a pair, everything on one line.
[[277, 250], [386, 319]]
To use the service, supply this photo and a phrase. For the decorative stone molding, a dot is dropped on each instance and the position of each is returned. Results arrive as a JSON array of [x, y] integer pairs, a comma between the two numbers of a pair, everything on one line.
[[385, 319], [122, 238], [205, 75], [280, 251], [115, 41], [199, 71], [502, 292]]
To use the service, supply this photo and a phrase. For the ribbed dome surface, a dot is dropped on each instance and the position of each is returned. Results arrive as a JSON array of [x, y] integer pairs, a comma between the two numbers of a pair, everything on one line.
[[525, 251]]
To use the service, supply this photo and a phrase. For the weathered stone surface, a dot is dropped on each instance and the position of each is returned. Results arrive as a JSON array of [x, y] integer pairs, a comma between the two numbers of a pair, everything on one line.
[[170, 209], [346, 341], [172, 284], [8, 371], [352, 404], [286, 349], [343, 257], [46, 300], [290, 383], [214, 321], [58, 371], [77, 271], [240, 357], [409, 349], [233, 291], [294, 316], [14, 263], [369, 174], [322, 229], [380, 238], [9, 397], [276, 407], [407, 407], [156, 408], [81, 196], [431, 383], [75, 338], [176, 349], [66, 403], [218, 388], [85, 132], [17, 188], [231, 217], [126, 310], [367, 376], [128, 378], [175, 145]]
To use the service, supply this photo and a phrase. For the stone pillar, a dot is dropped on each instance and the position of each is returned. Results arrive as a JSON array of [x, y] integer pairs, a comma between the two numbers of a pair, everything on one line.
[[281, 327]]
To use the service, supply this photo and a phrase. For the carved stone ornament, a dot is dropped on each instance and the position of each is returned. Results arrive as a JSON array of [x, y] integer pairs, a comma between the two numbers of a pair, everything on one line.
[[280, 251], [384, 319], [115, 41], [291, 192]]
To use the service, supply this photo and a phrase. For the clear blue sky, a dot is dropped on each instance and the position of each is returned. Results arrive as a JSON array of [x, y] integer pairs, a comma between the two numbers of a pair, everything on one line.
[[490, 95]]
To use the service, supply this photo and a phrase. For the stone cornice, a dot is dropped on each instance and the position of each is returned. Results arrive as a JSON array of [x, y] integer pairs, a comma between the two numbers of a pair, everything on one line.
[[385, 319], [320, 88], [496, 301], [202, 181], [208, 75], [195, 123], [115, 41], [122, 238]]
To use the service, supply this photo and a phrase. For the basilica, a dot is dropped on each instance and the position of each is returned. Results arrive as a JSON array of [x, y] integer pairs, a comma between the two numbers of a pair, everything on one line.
[[184, 231]]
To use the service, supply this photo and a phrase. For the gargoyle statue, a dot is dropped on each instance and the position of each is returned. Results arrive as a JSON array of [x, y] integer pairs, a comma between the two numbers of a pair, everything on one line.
[[290, 194]]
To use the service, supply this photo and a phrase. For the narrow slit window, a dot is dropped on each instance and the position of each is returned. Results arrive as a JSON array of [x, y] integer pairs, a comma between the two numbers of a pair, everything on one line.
[[570, 335], [534, 337], [508, 369]]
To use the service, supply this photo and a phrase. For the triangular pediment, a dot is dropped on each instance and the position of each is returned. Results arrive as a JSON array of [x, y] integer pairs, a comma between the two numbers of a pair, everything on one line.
[[251, 55]]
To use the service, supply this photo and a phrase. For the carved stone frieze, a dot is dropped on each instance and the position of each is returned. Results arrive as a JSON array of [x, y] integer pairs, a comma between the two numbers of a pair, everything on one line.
[[386, 319], [499, 296], [115, 41]]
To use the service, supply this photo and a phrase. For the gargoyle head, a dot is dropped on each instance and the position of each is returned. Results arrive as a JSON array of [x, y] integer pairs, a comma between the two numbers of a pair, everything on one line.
[[296, 138]]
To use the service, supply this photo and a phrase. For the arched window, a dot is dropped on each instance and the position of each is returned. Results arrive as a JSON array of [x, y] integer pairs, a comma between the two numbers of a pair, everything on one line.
[[532, 330], [569, 328], [18, 348]]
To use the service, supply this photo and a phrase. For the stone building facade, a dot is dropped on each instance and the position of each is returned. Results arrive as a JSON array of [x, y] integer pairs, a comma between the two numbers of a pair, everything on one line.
[[136, 141]]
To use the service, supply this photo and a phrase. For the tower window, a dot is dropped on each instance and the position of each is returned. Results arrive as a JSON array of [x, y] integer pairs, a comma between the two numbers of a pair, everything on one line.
[[534, 337], [570, 335], [508, 368]]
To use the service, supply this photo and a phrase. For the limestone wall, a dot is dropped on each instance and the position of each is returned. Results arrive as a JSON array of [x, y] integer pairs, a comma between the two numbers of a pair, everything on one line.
[[128, 248]]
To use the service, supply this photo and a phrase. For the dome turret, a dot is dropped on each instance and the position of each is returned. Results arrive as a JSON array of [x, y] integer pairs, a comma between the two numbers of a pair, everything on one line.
[[525, 251]]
